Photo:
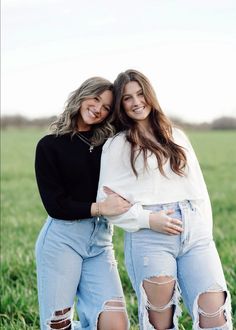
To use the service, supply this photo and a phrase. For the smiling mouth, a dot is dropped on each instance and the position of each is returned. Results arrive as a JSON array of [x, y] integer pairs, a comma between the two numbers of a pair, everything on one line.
[[92, 114], [138, 110]]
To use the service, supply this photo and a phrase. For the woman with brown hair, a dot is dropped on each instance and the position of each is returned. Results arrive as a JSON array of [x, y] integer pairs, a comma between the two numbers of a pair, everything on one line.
[[169, 248]]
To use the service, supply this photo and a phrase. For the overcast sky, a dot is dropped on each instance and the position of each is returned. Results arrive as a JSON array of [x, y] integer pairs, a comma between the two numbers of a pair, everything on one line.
[[186, 48]]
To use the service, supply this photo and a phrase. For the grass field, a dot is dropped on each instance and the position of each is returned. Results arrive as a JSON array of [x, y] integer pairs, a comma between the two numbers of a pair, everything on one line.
[[22, 216]]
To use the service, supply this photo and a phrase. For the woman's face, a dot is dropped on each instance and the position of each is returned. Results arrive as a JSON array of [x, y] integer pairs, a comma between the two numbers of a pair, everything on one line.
[[134, 103], [94, 110]]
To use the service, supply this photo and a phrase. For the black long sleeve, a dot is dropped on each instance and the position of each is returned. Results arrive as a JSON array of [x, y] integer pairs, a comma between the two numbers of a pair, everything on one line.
[[67, 175]]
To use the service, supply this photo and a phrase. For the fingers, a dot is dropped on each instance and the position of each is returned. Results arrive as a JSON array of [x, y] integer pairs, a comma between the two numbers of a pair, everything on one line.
[[123, 203], [125, 209], [175, 230], [122, 200], [169, 211], [108, 191], [174, 226], [117, 197], [174, 221]]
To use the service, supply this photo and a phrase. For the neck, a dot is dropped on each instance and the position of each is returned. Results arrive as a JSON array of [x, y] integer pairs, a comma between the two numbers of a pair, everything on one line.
[[144, 127], [83, 128]]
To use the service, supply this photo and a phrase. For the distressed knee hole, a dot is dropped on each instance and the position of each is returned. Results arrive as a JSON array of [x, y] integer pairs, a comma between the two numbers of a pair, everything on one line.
[[113, 315], [211, 304], [160, 280], [159, 291], [60, 319], [115, 305], [160, 301], [212, 308]]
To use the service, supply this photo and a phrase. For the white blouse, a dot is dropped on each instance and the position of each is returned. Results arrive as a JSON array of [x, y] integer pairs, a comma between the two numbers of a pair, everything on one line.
[[150, 187]]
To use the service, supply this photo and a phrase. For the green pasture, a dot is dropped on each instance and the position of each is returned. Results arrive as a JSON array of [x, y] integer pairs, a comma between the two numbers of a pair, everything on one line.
[[22, 216]]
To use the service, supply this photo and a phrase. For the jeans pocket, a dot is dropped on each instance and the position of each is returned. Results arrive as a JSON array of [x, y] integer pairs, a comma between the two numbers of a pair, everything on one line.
[[199, 223], [42, 236], [94, 230], [103, 233]]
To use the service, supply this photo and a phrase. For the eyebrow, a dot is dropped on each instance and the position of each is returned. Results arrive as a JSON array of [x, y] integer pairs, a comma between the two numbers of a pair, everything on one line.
[[109, 105], [140, 90]]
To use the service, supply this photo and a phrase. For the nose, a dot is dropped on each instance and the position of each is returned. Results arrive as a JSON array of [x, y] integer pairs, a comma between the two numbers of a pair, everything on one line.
[[98, 107], [136, 101]]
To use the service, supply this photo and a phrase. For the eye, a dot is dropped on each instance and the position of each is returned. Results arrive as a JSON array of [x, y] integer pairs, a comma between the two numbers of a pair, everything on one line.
[[140, 93], [107, 108], [126, 98], [96, 98]]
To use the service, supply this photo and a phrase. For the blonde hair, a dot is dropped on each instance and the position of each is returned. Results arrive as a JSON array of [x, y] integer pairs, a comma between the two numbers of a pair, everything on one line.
[[165, 148], [67, 121]]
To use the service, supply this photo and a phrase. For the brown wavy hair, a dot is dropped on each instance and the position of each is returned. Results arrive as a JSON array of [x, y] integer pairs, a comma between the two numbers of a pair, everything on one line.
[[164, 147], [67, 121]]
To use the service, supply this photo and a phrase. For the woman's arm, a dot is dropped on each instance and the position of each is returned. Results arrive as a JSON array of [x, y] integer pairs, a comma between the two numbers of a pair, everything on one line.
[[115, 173], [112, 205], [56, 201], [157, 221]]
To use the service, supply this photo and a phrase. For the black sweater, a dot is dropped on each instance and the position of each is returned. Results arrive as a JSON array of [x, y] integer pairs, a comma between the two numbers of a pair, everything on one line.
[[67, 175]]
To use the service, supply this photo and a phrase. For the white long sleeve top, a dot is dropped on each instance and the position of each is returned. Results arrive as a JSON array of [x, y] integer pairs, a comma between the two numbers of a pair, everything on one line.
[[150, 187]]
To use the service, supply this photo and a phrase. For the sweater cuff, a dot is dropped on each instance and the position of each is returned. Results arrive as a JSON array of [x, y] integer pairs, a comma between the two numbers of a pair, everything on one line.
[[143, 219]]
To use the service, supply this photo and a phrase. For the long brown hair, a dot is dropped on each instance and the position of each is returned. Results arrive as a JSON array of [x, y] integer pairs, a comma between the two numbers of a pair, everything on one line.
[[67, 121], [164, 148]]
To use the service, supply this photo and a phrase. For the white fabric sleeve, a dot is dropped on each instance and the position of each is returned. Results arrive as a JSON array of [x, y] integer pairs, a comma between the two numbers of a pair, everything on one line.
[[132, 220], [196, 162], [207, 209], [115, 174]]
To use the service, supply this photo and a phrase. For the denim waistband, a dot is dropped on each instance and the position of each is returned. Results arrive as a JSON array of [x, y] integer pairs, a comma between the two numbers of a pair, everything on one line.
[[92, 219], [173, 205]]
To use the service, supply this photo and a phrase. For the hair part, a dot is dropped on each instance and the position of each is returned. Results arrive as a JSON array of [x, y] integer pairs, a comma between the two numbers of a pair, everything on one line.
[[164, 147], [66, 123]]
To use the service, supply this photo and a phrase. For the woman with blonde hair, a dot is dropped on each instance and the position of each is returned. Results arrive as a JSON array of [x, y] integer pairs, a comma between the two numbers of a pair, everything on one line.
[[74, 251], [169, 248]]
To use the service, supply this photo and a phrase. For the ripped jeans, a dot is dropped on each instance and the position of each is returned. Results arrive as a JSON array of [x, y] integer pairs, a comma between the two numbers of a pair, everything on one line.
[[190, 259], [76, 258]]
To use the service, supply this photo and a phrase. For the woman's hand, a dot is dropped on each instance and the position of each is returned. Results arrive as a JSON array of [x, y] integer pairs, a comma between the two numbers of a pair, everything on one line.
[[114, 205], [163, 223]]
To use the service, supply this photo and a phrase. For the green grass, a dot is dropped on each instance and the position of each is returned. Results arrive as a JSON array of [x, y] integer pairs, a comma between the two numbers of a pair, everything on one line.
[[22, 216]]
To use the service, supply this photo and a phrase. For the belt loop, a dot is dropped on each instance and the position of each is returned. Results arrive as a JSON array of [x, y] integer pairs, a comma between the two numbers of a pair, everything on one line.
[[191, 205]]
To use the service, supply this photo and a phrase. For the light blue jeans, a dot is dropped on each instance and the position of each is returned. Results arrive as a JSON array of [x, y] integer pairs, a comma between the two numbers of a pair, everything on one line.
[[190, 258], [76, 258]]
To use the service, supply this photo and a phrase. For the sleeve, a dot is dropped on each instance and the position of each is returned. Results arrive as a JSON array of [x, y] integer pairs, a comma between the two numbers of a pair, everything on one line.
[[192, 158], [116, 175], [207, 209], [56, 201], [133, 220]]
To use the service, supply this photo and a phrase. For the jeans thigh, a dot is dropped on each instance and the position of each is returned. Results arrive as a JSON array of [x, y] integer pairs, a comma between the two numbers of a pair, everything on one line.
[[100, 282], [147, 255], [58, 271], [197, 229], [199, 270]]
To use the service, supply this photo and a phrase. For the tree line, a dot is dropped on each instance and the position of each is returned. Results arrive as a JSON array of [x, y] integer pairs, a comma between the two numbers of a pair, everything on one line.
[[19, 121]]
